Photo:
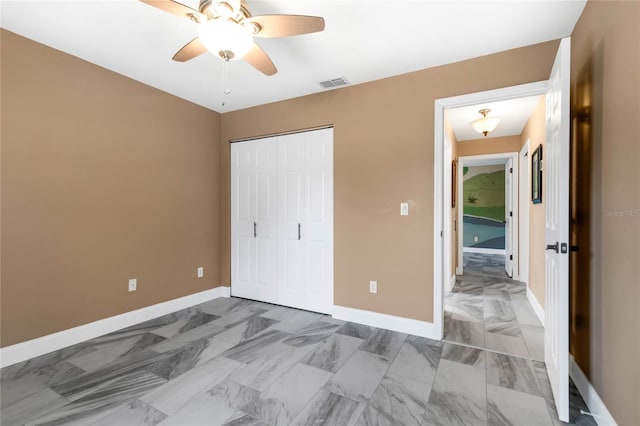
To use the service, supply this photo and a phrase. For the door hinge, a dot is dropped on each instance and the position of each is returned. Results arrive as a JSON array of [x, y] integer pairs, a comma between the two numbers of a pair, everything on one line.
[[510, 169], [442, 233], [510, 257], [510, 214]]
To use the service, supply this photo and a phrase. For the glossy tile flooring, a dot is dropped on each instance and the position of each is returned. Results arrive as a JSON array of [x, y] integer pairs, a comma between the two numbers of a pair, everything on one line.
[[237, 362], [486, 309]]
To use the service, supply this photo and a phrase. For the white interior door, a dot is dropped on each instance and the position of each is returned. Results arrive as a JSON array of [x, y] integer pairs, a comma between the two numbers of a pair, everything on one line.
[[305, 216], [254, 219], [556, 200], [508, 217]]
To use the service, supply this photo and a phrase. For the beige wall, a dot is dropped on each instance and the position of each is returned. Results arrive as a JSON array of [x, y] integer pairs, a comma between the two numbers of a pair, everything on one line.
[[383, 155], [103, 179], [534, 132], [483, 146], [606, 83]]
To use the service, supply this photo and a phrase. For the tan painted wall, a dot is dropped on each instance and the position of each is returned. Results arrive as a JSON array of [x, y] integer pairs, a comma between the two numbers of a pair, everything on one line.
[[605, 71], [383, 155], [103, 179], [534, 132], [489, 146]]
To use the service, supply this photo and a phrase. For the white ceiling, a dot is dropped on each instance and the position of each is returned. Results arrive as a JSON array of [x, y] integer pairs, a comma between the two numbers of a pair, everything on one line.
[[513, 115], [362, 41]]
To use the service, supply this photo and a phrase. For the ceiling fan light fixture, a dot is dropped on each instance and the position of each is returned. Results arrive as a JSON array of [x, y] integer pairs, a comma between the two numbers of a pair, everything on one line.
[[225, 38], [485, 125]]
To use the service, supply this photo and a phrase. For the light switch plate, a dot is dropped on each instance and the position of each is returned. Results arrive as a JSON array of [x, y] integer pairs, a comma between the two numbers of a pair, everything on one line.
[[404, 209], [373, 286]]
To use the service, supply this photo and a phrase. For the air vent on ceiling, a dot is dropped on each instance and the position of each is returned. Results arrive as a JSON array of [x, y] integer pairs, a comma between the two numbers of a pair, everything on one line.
[[334, 83]]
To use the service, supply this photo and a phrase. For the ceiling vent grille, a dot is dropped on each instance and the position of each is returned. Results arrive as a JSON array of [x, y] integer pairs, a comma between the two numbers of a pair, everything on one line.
[[336, 82]]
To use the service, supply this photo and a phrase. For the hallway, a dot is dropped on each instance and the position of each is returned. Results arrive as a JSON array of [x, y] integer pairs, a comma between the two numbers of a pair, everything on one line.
[[486, 309]]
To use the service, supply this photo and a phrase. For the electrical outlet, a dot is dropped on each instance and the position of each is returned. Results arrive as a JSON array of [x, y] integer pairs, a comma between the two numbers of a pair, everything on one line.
[[476, 238], [404, 209], [133, 284], [373, 286], [200, 272]]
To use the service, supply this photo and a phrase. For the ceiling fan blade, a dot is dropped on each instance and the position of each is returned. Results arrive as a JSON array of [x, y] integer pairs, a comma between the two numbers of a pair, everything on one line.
[[175, 8], [258, 59], [286, 25], [190, 50], [235, 5]]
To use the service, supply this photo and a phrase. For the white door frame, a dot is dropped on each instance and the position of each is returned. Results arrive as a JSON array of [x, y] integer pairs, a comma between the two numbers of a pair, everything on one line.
[[440, 244], [524, 183], [447, 201], [478, 160]]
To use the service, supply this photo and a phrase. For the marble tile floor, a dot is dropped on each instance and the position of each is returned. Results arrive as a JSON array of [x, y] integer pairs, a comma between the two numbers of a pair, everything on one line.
[[491, 265], [233, 361], [489, 311]]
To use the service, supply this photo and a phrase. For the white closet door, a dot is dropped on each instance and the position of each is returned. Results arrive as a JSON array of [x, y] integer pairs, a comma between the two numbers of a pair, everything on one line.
[[254, 219], [305, 216]]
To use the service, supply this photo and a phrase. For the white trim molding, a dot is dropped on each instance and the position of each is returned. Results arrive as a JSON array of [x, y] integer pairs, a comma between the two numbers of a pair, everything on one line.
[[388, 322], [537, 307], [486, 159], [452, 282], [483, 250], [524, 183], [32, 348], [597, 409], [440, 278]]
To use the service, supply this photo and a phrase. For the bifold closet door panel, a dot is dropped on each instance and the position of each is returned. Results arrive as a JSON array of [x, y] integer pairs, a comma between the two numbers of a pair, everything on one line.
[[305, 220], [254, 219]]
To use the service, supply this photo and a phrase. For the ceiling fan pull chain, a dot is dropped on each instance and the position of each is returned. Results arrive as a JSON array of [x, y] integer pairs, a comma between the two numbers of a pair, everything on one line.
[[225, 80]]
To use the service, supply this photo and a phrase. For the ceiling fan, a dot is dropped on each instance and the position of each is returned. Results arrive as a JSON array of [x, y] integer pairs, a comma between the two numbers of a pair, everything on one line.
[[226, 29]]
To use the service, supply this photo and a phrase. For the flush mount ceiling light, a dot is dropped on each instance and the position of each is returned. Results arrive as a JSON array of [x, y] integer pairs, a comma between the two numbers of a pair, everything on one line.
[[485, 125]]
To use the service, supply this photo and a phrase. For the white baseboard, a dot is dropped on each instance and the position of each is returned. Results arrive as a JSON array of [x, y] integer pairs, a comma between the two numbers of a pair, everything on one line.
[[537, 307], [601, 414], [451, 283], [32, 348], [483, 250], [389, 322]]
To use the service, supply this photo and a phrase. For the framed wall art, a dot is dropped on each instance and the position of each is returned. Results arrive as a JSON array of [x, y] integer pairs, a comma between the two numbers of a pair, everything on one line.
[[454, 181], [536, 175]]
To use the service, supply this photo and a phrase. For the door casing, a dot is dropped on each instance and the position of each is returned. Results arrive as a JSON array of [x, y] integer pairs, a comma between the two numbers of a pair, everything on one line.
[[487, 159], [440, 244]]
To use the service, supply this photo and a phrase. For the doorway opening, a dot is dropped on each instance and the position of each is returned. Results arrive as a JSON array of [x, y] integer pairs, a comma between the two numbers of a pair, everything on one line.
[[488, 213], [486, 304], [443, 247], [553, 243]]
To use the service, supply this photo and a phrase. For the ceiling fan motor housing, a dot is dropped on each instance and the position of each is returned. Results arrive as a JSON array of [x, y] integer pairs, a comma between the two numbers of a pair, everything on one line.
[[215, 9]]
